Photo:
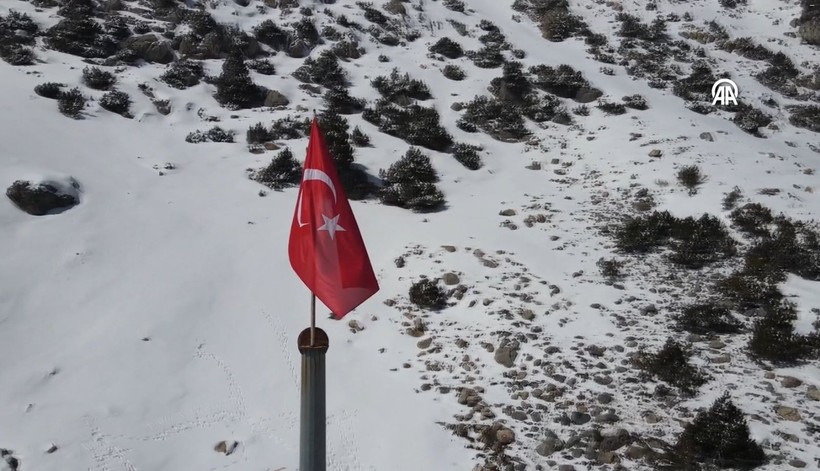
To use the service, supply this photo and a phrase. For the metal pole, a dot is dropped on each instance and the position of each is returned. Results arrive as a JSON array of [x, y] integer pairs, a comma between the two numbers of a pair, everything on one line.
[[313, 344], [312, 319]]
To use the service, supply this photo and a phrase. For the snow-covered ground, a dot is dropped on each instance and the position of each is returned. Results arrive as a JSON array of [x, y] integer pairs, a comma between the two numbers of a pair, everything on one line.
[[160, 315]]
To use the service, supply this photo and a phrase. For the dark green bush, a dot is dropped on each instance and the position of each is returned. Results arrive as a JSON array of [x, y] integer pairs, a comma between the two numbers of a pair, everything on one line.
[[116, 101], [270, 34], [467, 155], [234, 87], [258, 134], [718, 437], [513, 85], [340, 101], [610, 269], [498, 119], [697, 86], [753, 219], [51, 90], [774, 338], [427, 294], [707, 318], [612, 108], [324, 71], [401, 89], [749, 119], [415, 124], [488, 57], [690, 177], [671, 365], [447, 48], [746, 47], [183, 74], [289, 128], [731, 198], [282, 172], [410, 183], [453, 72], [455, 5], [262, 66], [71, 103], [806, 117], [98, 79], [636, 102], [565, 82], [215, 134], [358, 138]]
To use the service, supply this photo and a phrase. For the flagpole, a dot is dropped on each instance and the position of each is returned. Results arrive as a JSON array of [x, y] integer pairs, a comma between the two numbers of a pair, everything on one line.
[[313, 345], [312, 319]]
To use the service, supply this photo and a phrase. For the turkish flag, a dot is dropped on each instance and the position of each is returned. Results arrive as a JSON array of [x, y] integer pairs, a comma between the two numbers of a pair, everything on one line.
[[325, 248]]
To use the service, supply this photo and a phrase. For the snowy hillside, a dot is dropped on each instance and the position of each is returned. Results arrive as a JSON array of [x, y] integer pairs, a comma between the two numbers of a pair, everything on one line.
[[149, 314]]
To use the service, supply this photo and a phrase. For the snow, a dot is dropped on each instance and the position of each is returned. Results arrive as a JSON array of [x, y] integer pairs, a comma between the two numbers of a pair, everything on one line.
[[160, 315]]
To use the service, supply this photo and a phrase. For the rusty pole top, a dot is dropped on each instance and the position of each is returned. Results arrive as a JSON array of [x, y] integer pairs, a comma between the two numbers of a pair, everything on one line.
[[320, 341]]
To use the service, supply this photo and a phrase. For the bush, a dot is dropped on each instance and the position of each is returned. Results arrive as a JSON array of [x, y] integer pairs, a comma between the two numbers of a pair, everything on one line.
[[234, 87], [632, 27], [805, 116], [750, 119], [97, 78], [51, 90], [415, 124], [636, 102], [347, 49], [262, 66], [780, 74], [183, 74], [559, 24], [719, 437], [71, 103], [81, 36], [270, 34], [610, 269], [401, 89], [488, 57], [746, 47], [753, 219], [116, 101], [17, 31], [335, 130], [671, 365], [282, 172], [340, 101], [513, 85], [697, 86], [324, 71], [695, 242], [447, 48], [258, 134], [690, 177], [410, 183], [426, 294], [774, 339], [467, 155], [215, 134], [565, 82], [707, 318], [612, 108], [371, 14], [289, 128], [455, 5], [453, 72], [731, 198], [496, 118], [359, 138]]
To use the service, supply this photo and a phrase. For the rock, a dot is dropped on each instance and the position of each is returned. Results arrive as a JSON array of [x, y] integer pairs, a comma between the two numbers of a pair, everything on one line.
[[275, 99], [527, 314], [605, 398], [355, 326], [790, 382], [489, 263], [395, 7], [507, 212], [721, 359], [450, 279], [655, 153], [150, 48], [651, 418], [399, 261], [602, 379], [566, 467], [53, 448], [796, 463], [163, 106], [588, 95], [788, 413], [716, 344], [46, 197], [242, 3], [707, 136], [636, 452], [813, 393], [423, 344], [608, 457], [226, 447], [607, 418], [579, 418], [549, 445], [534, 166], [298, 49], [614, 439], [448, 248], [505, 436], [457, 106], [505, 355], [649, 310], [270, 146]]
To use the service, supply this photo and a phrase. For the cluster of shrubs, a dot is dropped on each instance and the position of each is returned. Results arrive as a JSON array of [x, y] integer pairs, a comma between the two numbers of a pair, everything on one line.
[[118, 102], [805, 116], [282, 172], [632, 27], [453, 72], [17, 35], [235, 88], [205, 38], [98, 79], [400, 88], [340, 100], [494, 117], [418, 125], [690, 177], [565, 82], [215, 134], [183, 74], [324, 70], [751, 119], [447, 48], [554, 17], [283, 128], [467, 155], [70, 103], [780, 75], [707, 318], [79, 34], [695, 243], [410, 183], [671, 364], [427, 294]]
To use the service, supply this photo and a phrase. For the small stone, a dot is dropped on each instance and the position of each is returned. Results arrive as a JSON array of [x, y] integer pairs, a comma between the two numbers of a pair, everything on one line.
[[603, 380], [505, 436], [505, 355], [355, 326], [52, 449], [788, 413], [579, 418], [608, 457], [813, 393], [566, 467], [636, 452], [270, 146], [607, 418], [423, 344], [707, 136], [655, 153], [527, 314], [796, 463], [790, 382], [449, 248], [769, 375], [651, 418], [457, 106], [716, 344], [399, 262], [507, 212], [549, 445], [649, 310], [450, 279], [721, 359], [605, 398], [226, 447]]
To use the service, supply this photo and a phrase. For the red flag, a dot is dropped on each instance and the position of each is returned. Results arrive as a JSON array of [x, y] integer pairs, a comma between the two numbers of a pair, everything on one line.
[[326, 249]]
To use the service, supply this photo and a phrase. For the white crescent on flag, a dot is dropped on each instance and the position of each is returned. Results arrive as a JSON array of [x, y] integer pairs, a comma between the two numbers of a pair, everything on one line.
[[314, 174]]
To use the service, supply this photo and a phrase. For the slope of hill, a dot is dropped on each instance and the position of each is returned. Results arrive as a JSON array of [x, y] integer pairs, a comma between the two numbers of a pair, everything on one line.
[[158, 316]]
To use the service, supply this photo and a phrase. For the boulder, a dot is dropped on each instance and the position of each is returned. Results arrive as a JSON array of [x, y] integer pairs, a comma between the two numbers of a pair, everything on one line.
[[275, 99], [47, 197], [150, 48]]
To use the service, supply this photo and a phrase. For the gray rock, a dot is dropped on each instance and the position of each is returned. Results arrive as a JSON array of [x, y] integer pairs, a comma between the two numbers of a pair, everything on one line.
[[549, 445], [813, 393], [298, 49], [505, 436], [649, 310], [150, 48], [796, 463], [457, 106], [608, 457], [566, 467], [636, 452], [614, 439], [605, 398], [423, 344], [507, 212], [788, 413], [579, 418], [810, 30], [790, 382], [655, 153], [602, 379], [607, 418], [651, 418], [275, 99], [707, 136], [40, 199], [505, 355], [527, 314], [450, 279], [449, 248]]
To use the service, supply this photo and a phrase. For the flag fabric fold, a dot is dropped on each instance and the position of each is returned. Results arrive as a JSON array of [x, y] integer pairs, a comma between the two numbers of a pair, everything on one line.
[[325, 248]]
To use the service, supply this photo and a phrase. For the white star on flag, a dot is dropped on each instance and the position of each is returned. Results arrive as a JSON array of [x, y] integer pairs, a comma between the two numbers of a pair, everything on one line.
[[331, 225]]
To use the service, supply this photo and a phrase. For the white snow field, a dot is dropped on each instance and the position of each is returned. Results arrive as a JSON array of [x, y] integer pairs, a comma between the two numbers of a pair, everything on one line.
[[159, 316]]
